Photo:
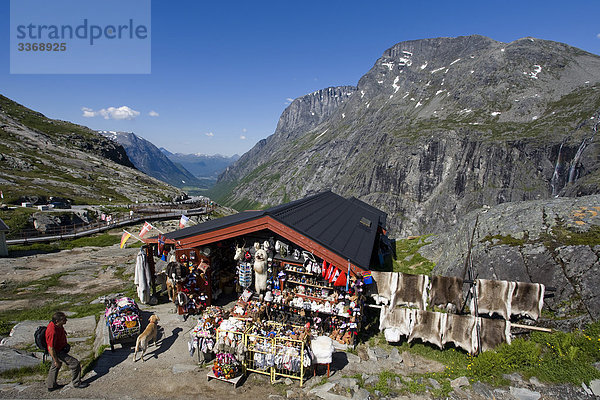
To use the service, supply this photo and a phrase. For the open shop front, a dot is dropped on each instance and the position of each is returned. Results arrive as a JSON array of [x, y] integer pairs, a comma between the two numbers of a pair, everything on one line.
[[293, 272]]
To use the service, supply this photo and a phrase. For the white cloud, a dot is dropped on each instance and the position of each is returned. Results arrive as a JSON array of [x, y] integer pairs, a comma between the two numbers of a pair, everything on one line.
[[243, 137], [87, 112], [153, 113], [598, 36], [244, 130], [289, 99], [119, 113], [209, 134]]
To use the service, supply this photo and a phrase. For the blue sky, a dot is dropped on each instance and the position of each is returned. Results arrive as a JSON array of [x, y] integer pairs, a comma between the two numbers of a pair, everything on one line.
[[223, 72]]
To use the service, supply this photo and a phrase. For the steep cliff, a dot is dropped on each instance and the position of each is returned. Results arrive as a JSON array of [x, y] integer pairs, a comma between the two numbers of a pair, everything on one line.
[[437, 128]]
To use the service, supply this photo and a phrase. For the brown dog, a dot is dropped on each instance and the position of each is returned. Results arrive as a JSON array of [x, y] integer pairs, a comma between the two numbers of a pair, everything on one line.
[[149, 334]]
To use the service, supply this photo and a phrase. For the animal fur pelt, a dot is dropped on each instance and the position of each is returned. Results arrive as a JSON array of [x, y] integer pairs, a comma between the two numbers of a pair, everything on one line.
[[528, 300], [494, 297], [385, 285], [446, 292], [429, 327], [397, 321], [461, 330], [322, 348], [493, 332], [412, 291]]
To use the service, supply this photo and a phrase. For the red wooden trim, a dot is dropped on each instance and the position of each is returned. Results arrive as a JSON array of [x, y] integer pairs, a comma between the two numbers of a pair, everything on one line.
[[275, 226]]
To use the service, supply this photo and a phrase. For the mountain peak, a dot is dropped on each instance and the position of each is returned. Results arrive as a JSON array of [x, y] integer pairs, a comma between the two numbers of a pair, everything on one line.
[[436, 124]]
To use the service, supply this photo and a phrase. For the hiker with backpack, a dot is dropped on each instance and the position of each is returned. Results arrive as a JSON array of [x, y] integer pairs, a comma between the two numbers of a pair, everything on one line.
[[58, 348]]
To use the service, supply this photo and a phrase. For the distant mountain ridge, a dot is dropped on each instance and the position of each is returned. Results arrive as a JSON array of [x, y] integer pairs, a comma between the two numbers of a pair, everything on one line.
[[149, 159], [203, 166], [437, 128]]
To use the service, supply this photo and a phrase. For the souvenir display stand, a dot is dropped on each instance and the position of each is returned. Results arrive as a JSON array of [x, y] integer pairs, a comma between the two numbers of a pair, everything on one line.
[[122, 320], [277, 350], [204, 335], [291, 359], [269, 329], [309, 296], [193, 292]]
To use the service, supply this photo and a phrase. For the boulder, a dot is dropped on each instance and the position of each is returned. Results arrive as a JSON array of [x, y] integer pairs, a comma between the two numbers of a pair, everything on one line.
[[13, 359], [524, 394], [21, 335], [459, 382]]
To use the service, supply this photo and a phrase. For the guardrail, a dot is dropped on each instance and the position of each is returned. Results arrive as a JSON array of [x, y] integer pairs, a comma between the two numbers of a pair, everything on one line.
[[80, 230]]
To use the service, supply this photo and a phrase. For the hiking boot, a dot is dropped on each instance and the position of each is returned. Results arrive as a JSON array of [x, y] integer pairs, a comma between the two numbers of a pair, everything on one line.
[[52, 389], [80, 385]]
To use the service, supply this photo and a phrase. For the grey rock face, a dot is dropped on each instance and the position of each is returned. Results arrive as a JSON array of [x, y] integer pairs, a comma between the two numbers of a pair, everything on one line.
[[304, 114], [524, 394], [459, 382], [437, 128], [595, 387], [13, 359], [545, 241], [21, 334]]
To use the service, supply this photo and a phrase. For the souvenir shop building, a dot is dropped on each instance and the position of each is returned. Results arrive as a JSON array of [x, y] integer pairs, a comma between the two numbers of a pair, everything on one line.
[[304, 261]]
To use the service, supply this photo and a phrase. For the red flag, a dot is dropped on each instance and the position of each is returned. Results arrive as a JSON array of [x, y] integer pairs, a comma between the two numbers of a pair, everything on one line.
[[327, 270], [341, 280], [330, 272], [336, 274], [145, 229], [324, 269]]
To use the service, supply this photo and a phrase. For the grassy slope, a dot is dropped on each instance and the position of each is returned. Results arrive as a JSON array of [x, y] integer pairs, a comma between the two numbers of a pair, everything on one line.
[[84, 186]]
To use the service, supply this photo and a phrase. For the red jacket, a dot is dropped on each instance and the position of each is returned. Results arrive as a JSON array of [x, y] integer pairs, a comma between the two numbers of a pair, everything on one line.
[[56, 337]]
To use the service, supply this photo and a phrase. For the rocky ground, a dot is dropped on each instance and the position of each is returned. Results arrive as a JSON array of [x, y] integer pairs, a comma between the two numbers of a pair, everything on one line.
[[170, 372]]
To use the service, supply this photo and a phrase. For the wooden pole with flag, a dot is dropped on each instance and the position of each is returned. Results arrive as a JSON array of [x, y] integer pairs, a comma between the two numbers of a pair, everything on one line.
[[125, 237], [147, 228], [348, 279], [184, 221]]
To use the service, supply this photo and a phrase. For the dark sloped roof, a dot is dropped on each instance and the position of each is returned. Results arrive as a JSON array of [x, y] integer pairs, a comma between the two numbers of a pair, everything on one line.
[[344, 226], [347, 227], [214, 224], [382, 215], [3, 226]]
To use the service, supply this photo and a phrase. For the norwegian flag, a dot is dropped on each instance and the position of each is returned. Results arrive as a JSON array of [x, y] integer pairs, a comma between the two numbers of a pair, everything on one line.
[[161, 244], [335, 275], [330, 273], [145, 229], [183, 221]]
